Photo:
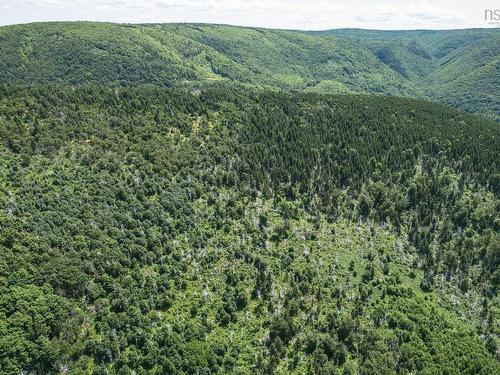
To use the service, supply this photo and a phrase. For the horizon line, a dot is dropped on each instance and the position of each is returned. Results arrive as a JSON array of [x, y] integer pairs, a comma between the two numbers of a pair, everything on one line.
[[242, 26]]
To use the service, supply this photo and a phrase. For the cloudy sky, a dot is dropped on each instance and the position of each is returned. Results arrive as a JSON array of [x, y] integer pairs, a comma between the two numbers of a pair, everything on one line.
[[292, 14]]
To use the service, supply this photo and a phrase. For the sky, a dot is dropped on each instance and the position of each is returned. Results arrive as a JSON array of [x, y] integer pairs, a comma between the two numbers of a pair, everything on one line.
[[286, 14]]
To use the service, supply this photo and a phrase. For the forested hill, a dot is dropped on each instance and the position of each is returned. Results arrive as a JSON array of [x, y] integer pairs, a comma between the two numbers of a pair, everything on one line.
[[164, 231], [459, 67]]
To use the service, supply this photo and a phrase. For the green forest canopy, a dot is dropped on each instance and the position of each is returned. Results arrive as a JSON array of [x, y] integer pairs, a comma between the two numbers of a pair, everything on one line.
[[147, 230], [459, 68]]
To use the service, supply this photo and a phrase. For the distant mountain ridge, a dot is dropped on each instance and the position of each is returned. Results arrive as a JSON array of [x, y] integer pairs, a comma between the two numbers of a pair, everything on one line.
[[457, 67]]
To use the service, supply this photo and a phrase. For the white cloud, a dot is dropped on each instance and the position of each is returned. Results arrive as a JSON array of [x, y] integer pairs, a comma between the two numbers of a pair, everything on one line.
[[48, 3], [300, 14]]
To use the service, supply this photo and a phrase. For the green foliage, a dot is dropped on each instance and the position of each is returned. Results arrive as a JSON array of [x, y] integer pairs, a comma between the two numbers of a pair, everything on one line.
[[456, 67], [154, 231]]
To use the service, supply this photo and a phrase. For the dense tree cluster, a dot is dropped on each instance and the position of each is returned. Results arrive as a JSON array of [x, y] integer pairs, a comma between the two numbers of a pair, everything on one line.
[[154, 231], [455, 67]]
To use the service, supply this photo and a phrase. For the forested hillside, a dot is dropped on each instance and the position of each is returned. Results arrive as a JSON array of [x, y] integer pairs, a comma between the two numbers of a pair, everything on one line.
[[459, 67], [171, 231]]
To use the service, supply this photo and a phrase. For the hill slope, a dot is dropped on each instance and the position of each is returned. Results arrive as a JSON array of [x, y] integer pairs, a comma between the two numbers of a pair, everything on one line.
[[241, 232], [459, 68]]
